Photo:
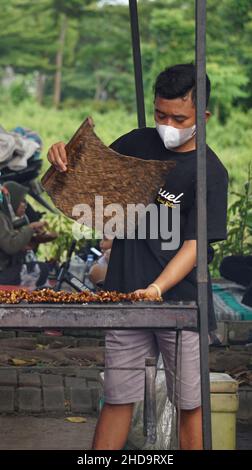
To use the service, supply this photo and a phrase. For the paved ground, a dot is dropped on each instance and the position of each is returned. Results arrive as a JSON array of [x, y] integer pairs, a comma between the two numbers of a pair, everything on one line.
[[44, 433], [244, 436], [65, 388]]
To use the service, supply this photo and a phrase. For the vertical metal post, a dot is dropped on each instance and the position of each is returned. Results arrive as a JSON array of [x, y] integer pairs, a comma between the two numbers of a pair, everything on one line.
[[137, 63], [202, 274], [150, 411]]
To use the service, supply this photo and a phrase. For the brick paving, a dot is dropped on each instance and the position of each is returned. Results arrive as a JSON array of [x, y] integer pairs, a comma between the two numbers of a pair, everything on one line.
[[30, 391]]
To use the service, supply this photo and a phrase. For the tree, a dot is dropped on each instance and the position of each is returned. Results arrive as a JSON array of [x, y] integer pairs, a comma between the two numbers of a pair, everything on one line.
[[81, 49]]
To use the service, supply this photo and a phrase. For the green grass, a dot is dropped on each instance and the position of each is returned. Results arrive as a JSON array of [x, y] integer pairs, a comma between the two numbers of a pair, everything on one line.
[[231, 142], [59, 125]]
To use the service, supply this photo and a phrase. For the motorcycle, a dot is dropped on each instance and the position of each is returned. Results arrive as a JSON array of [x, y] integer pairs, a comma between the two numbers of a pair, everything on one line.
[[26, 176], [78, 280]]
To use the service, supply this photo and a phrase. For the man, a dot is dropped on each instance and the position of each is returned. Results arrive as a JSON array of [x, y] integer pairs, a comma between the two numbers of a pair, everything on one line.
[[143, 266], [99, 269], [15, 240]]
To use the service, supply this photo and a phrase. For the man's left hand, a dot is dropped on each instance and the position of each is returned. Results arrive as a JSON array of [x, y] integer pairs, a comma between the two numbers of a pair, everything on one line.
[[149, 293]]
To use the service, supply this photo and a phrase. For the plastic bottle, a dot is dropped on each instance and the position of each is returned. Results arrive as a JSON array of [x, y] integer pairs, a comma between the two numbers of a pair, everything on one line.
[[77, 267], [30, 256], [29, 278], [89, 262]]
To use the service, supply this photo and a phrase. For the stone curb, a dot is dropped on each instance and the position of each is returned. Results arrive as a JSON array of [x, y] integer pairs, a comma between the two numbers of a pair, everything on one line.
[[59, 390]]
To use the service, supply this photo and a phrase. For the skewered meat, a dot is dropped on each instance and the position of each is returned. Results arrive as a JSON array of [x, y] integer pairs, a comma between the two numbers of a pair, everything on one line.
[[62, 297]]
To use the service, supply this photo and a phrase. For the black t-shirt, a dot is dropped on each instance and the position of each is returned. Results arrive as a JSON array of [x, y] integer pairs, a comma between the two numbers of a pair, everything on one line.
[[135, 263]]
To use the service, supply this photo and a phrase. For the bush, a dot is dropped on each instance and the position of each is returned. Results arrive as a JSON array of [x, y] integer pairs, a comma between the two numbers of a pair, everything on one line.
[[57, 250], [18, 93], [239, 240], [231, 142]]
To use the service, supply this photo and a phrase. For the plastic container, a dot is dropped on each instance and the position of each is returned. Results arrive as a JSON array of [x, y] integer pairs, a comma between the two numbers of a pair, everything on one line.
[[77, 267], [224, 407], [30, 256], [89, 262]]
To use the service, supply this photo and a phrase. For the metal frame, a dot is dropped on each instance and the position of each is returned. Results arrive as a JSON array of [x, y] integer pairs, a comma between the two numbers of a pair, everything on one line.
[[202, 272], [170, 315], [176, 316], [137, 63]]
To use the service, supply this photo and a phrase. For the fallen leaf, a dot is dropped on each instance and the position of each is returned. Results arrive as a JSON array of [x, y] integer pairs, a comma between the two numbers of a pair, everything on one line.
[[41, 347], [23, 362], [76, 419]]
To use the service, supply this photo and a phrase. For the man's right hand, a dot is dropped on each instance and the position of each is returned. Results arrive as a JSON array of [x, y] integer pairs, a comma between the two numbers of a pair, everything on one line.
[[57, 156], [38, 227]]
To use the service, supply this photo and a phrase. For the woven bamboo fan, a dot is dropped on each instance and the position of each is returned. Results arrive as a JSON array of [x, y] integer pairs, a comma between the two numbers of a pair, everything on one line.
[[96, 170]]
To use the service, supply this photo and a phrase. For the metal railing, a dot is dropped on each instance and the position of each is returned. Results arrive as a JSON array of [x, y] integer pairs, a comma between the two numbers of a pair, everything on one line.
[[175, 316]]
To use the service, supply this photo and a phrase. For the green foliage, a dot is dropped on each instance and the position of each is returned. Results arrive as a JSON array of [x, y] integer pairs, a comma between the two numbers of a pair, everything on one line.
[[232, 141], [53, 125], [19, 91], [97, 58], [67, 231], [229, 83], [239, 240], [98, 78], [58, 248]]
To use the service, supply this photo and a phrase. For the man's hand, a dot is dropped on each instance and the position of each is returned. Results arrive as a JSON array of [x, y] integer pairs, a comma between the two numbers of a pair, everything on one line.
[[38, 227], [57, 156], [105, 244], [149, 293]]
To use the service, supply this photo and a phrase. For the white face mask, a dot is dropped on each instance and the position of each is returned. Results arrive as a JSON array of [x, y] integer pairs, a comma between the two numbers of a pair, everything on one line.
[[173, 137]]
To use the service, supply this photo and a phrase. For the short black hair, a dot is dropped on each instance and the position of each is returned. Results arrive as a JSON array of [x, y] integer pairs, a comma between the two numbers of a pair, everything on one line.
[[177, 81]]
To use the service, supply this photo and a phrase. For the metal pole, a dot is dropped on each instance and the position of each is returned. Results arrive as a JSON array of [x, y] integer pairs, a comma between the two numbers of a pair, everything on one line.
[[202, 273], [137, 63], [150, 410]]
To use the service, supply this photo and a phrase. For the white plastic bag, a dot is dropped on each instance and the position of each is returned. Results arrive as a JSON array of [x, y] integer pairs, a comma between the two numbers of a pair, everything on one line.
[[166, 419]]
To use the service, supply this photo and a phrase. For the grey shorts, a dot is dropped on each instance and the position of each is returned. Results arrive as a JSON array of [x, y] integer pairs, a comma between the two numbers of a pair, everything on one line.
[[129, 348]]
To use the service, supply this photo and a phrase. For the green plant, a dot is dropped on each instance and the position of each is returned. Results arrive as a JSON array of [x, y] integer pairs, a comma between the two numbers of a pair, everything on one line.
[[239, 221], [67, 232], [19, 91], [58, 248]]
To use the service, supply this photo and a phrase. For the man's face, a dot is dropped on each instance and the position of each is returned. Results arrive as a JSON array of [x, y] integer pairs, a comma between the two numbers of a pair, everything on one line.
[[179, 112], [21, 209]]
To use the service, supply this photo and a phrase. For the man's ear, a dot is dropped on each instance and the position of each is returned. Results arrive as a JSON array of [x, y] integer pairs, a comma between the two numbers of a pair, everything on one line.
[[208, 115]]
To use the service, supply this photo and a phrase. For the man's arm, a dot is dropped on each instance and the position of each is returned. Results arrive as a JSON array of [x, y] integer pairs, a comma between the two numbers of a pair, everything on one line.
[[178, 268], [12, 241]]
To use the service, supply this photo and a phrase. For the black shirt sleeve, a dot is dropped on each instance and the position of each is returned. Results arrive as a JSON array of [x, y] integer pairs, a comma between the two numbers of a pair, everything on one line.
[[216, 213]]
